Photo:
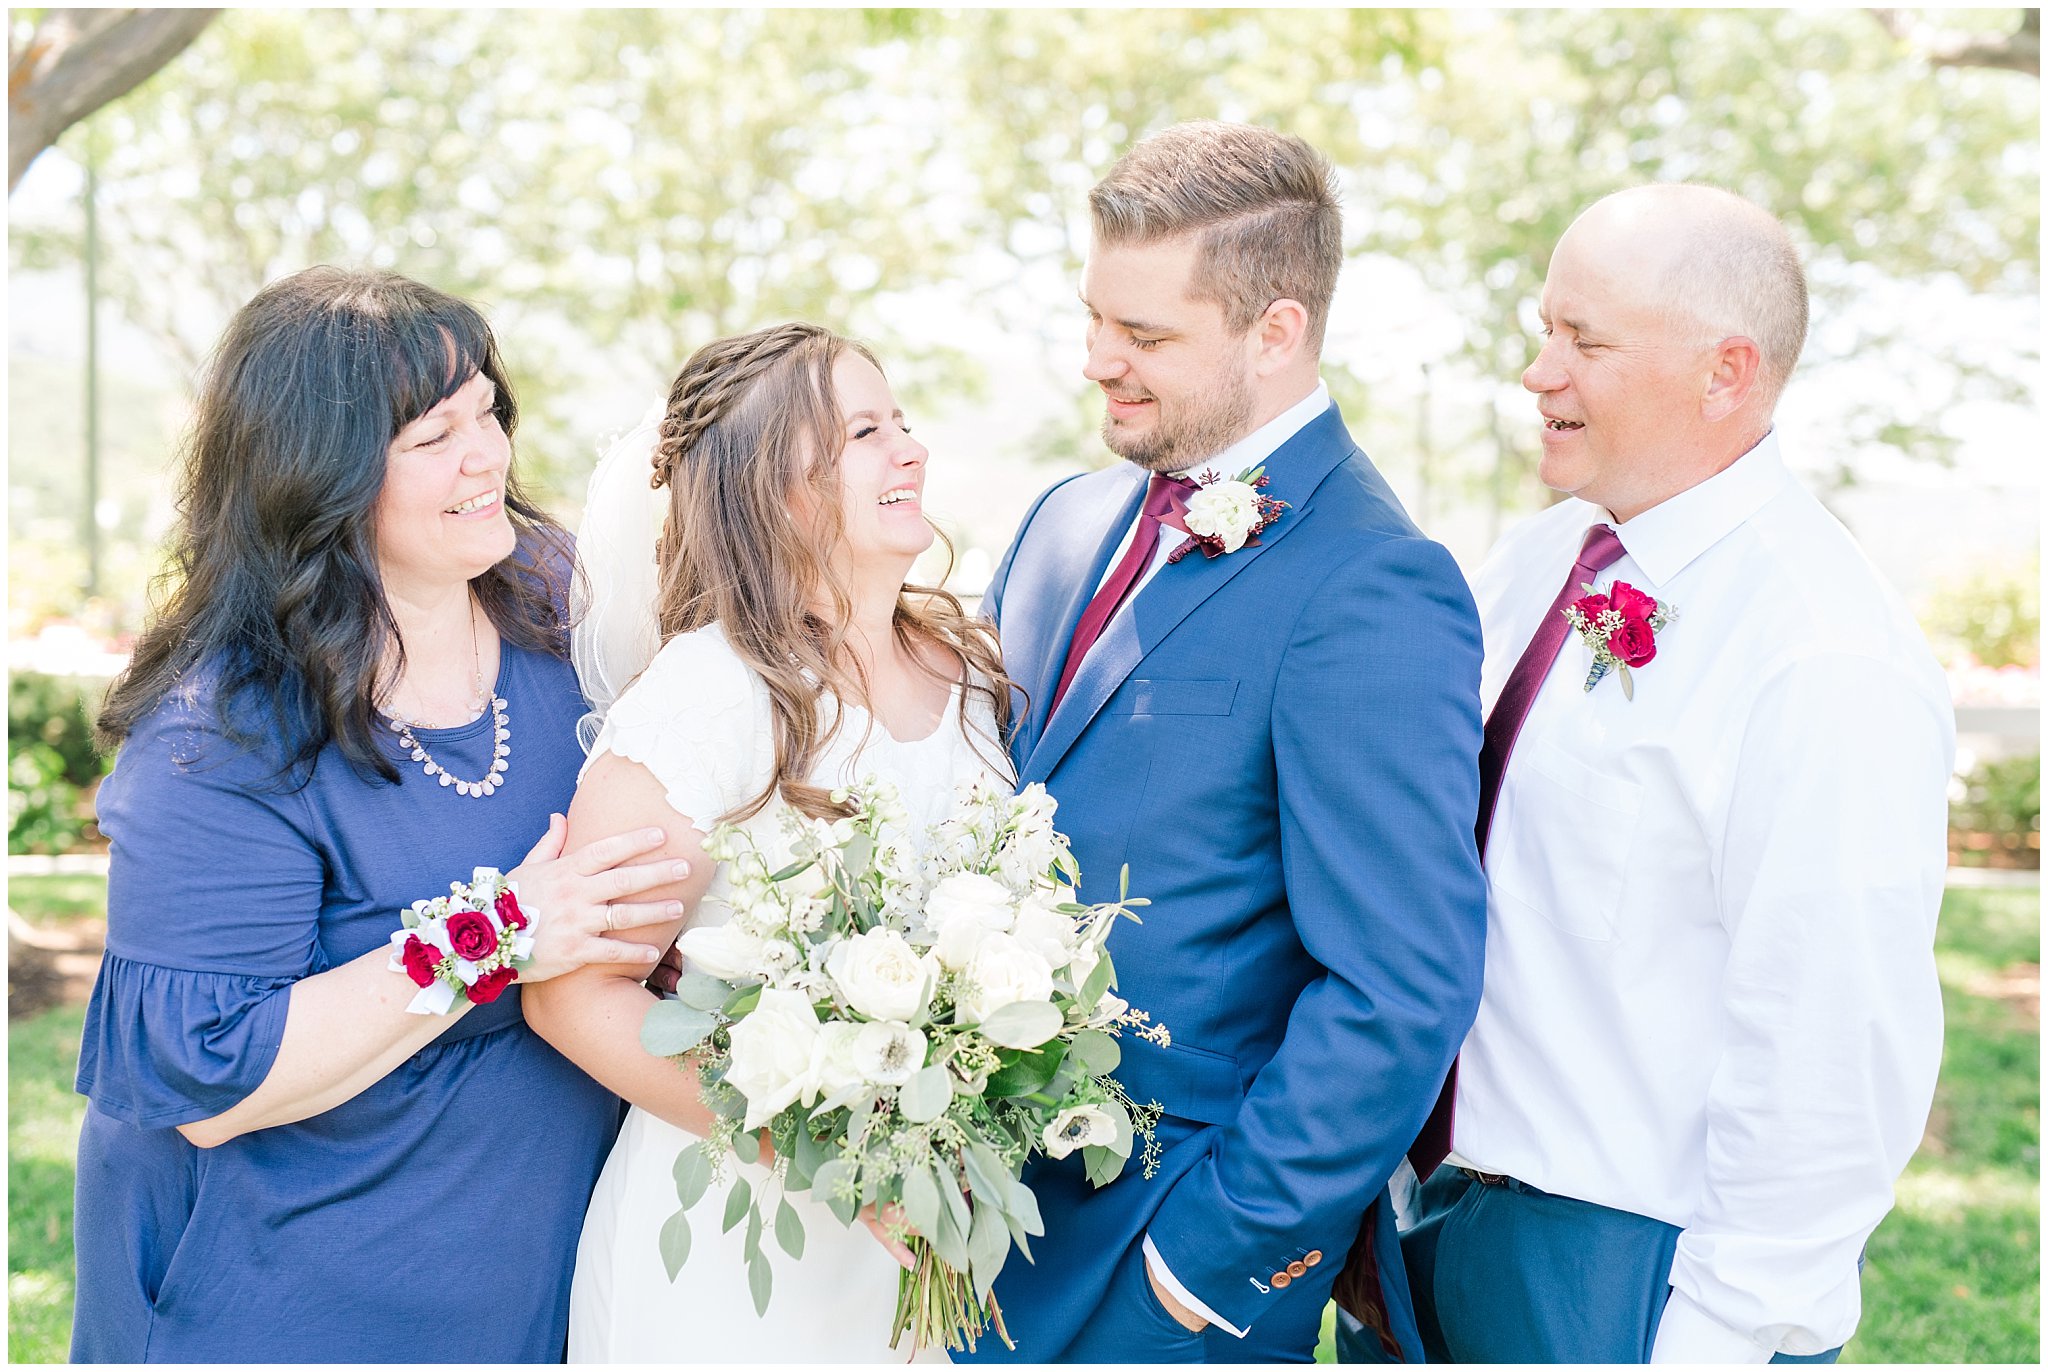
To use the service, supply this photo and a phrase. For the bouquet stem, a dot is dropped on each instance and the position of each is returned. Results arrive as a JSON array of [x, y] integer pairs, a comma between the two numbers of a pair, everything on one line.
[[937, 1305]]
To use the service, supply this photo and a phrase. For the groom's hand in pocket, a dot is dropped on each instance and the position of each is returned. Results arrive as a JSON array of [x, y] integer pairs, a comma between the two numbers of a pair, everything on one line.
[[1187, 1318]]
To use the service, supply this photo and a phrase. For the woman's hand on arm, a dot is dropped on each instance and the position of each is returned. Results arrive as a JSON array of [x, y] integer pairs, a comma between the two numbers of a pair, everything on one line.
[[592, 1015], [347, 1028], [581, 896]]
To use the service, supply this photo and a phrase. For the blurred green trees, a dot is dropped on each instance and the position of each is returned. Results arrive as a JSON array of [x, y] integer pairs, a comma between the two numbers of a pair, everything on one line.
[[619, 186]]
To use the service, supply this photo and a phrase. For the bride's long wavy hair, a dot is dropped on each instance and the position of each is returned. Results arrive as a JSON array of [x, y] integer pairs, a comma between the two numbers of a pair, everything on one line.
[[751, 420]]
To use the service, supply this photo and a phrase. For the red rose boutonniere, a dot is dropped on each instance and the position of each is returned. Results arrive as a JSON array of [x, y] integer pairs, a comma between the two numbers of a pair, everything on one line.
[[1621, 628], [1225, 515]]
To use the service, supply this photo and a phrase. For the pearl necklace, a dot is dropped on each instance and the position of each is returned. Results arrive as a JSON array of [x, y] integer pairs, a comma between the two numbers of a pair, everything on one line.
[[501, 749]]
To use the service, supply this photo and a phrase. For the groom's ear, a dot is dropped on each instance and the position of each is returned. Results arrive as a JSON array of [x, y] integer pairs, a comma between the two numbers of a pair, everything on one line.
[[1280, 335]]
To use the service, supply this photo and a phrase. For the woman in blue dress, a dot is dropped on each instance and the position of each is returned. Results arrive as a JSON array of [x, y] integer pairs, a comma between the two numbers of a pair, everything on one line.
[[357, 691]]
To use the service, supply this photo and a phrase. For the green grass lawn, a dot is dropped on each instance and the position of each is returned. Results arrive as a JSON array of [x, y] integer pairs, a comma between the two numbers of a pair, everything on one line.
[[1953, 1273], [43, 1119], [57, 899]]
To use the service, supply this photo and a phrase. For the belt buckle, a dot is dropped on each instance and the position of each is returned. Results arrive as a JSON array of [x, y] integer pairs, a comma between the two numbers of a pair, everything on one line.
[[1485, 1178]]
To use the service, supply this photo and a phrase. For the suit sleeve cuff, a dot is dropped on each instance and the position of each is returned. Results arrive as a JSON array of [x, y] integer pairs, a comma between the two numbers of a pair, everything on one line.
[[1687, 1333], [1156, 1265]]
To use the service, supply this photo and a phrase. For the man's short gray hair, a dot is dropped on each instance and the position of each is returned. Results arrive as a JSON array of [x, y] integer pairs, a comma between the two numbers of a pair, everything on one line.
[[1732, 270], [1263, 203]]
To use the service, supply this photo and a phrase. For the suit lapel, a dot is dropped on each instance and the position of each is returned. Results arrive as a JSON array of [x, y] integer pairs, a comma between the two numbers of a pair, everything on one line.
[[1044, 625], [1162, 603]]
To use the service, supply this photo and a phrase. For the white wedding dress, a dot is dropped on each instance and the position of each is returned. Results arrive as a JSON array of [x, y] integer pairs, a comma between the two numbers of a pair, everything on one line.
[[699, 720]]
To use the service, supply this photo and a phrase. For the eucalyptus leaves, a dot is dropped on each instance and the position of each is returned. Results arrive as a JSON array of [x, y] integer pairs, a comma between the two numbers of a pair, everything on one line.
[[910, 1018]]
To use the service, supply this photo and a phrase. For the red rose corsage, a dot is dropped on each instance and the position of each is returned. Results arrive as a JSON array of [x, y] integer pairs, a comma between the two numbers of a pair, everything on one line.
[[1621, 628], [468, 944]]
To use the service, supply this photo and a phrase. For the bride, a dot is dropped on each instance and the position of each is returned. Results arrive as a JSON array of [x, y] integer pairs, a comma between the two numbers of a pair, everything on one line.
[[792, 659]]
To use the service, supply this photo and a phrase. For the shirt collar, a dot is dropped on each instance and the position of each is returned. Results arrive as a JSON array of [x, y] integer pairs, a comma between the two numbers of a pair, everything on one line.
[[1665, 538], [1262, 442]]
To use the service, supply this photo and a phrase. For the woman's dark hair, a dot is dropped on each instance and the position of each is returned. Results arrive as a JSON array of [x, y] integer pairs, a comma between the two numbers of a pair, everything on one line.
[[272, 577]]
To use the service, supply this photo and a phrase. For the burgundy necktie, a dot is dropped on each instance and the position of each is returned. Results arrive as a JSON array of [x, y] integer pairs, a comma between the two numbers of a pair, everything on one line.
[[1600, 550], [1166, 500]]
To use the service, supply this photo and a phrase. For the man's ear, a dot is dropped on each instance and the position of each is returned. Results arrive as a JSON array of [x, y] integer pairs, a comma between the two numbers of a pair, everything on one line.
[[1279, 336], [1736, 374]]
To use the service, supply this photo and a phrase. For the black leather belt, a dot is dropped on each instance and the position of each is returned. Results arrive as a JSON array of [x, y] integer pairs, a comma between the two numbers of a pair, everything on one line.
[[1486, 1178]]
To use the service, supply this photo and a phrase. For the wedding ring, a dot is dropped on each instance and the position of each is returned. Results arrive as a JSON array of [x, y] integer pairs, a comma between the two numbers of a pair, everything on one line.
[[609, 927]]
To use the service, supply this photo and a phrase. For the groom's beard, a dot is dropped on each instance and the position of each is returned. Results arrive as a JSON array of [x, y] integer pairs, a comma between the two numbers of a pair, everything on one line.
[[1193, 429]]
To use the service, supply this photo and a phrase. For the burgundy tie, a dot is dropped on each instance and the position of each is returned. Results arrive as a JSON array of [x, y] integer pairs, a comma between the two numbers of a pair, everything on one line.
[[1166, 501], [1600, 550]]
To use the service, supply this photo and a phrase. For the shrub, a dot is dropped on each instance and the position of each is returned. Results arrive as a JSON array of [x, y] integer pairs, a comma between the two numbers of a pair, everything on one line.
[[2000, 809], [1992, 615], [52, 766]]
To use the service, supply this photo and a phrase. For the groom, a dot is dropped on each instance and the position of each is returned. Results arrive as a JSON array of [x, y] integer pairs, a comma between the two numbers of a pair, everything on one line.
[[1278, 733]]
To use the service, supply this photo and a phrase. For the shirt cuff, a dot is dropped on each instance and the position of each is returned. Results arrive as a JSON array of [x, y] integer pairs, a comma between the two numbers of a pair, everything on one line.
[[1687, 1333], [1156, 1265]]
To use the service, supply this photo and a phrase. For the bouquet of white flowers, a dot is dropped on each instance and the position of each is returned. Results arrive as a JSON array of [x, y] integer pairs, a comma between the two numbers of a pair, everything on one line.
[[910, 1023]]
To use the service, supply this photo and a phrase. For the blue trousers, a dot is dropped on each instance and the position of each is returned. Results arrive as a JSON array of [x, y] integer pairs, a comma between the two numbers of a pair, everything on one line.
[[1503, 1274]]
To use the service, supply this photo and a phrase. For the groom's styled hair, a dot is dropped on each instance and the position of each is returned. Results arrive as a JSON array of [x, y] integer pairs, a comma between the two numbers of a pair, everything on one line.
[[1262, 204]]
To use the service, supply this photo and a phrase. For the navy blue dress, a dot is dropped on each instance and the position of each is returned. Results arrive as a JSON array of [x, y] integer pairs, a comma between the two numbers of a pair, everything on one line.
[[432, 1218]]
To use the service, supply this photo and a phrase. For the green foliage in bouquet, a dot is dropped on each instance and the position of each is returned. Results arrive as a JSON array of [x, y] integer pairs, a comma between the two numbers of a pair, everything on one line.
[[910, 1023]]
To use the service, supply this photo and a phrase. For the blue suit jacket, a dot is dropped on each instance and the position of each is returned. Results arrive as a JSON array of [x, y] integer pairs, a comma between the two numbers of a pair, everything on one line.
[[1282, 743]]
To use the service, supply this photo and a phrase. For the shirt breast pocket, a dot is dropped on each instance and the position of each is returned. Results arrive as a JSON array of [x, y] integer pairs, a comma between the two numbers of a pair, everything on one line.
[[1561, 848], [1179, 696]]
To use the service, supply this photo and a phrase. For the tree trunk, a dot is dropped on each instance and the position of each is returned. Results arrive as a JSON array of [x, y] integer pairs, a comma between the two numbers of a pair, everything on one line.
[[78, 60]]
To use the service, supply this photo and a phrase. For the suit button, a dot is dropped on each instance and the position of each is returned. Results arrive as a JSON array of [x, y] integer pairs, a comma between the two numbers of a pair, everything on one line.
[[1280, 1279], [1297, 1269], [1313, 1256]]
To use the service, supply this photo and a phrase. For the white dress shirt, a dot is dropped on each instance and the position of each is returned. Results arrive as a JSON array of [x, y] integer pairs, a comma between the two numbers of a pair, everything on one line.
[[1710, 990], [1248, 452]]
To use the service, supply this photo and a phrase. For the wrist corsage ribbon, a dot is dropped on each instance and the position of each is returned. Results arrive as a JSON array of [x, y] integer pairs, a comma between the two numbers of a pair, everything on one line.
[[467, 945]]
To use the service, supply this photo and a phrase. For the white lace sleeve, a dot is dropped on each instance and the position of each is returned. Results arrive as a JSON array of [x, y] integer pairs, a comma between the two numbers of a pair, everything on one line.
[[700, 721]]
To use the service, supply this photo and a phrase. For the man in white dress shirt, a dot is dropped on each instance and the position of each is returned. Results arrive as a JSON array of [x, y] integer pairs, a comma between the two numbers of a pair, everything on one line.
[[1710, 1025]]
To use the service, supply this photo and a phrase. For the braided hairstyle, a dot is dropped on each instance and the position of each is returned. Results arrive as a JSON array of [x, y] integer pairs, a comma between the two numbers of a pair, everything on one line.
[[753, 420]]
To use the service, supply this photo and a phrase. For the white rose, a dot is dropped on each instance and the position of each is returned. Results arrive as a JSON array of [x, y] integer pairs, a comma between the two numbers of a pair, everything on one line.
[[880, 974], [886, 1053], [1225, 510], [771, 1054], [835, 1059], [1005, 969], [723, 952], [1084, 1126], [1046, 930], [961, 911]]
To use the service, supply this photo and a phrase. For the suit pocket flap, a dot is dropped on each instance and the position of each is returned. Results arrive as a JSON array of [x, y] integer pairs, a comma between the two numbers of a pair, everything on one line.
[[1179, 696], [1187, 1082]]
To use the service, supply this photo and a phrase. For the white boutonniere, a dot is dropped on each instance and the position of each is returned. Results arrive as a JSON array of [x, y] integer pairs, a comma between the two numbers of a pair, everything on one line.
[[1224, 516]]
